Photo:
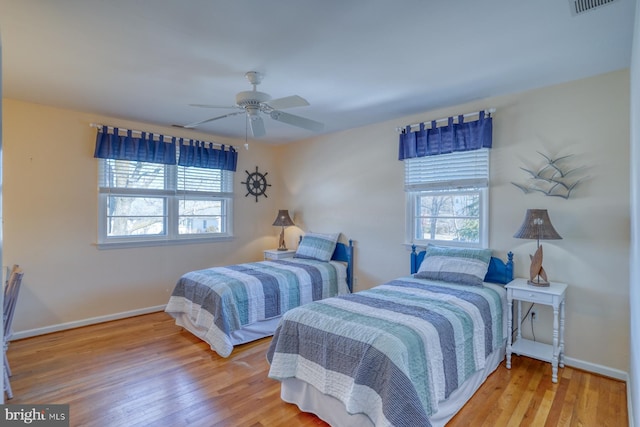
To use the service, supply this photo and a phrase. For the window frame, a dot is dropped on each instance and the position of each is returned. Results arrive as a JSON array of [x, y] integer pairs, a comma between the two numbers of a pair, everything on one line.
[[412, 219], [172, 197], [452, 173]]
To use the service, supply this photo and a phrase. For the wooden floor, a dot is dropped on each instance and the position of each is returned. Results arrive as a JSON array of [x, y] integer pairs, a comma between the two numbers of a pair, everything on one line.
[[145, 371]]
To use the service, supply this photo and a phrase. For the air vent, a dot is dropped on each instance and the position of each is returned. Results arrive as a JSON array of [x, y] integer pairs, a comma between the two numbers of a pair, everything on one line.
[[579, 7]]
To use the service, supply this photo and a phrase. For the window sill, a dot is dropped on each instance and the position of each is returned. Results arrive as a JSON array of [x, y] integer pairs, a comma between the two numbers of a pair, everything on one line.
[[163, 242], [422, 245]]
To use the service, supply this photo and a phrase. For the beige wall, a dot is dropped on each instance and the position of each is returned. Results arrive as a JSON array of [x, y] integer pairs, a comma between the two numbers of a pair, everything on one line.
[[351, 182], [50, 214]]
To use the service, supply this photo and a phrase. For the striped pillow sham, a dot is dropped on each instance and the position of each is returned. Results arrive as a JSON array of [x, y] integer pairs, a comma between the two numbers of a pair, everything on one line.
[[464, 266], [317, 246]]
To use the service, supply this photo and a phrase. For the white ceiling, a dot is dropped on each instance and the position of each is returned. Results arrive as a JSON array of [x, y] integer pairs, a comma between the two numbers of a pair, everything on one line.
[[356, 62]]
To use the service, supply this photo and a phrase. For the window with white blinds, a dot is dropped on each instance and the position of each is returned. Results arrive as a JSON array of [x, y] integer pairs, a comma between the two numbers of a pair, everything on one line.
[[447, 199], [148, 203], [461, 169]]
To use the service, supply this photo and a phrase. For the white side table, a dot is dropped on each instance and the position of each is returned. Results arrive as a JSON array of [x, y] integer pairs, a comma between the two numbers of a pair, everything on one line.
[[271, 254], [553, 295]]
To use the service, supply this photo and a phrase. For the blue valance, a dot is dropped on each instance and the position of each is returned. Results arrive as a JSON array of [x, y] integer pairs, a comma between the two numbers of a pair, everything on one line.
[[127, 147], [446, 139], [145, 148], [205, 155]]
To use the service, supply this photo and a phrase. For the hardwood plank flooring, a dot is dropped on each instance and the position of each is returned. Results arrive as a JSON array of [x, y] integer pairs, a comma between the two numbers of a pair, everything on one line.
[[146, 371]]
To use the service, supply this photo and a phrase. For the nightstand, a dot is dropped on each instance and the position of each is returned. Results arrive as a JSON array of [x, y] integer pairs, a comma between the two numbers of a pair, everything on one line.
[[552, 295], [271, 254]]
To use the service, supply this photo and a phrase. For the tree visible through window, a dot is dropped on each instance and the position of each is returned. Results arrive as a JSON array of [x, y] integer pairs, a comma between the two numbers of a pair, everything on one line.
[[449, 216], [141, 201]]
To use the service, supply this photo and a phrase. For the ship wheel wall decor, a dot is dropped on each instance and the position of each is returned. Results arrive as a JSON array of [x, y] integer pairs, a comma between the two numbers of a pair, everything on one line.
[[256, 184]]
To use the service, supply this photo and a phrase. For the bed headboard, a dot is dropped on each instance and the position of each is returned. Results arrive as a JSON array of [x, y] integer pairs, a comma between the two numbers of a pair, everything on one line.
[[499, 271], [344, 253]]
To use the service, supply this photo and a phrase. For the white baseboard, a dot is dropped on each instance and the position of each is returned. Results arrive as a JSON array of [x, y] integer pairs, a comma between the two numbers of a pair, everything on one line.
[[85, 322], [597, 369]]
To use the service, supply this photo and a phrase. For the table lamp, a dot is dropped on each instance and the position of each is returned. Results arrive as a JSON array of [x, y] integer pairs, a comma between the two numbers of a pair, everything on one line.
[[537, 225], [283, 220]]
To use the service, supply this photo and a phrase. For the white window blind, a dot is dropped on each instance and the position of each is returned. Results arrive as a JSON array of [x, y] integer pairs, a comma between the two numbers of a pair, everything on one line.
[[123, 174], [119, 174], [462, 169], [191, 179]]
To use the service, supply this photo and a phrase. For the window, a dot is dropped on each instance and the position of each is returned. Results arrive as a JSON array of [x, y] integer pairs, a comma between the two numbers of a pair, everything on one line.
[[447, 198], [149, 203]]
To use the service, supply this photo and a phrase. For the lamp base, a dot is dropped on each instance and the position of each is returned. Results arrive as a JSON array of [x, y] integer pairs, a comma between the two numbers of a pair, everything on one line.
[[281, 244], [536, 271], [541, 283]]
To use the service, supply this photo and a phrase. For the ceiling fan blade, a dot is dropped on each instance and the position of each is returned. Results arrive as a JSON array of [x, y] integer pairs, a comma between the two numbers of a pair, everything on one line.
[[287, 102], [257, 126], [213, 106], [195, 124], [298, 121]]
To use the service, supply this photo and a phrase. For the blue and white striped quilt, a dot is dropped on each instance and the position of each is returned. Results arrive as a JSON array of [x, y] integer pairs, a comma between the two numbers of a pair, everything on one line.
[[221, 300], [394, 351]]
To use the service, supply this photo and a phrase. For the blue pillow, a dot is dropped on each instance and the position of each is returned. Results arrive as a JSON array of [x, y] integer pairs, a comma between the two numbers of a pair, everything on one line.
[[317, 246], [464, 266]]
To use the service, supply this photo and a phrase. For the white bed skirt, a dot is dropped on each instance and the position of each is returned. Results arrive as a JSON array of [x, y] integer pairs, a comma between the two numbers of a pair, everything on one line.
[[332, 411], [255, 331]]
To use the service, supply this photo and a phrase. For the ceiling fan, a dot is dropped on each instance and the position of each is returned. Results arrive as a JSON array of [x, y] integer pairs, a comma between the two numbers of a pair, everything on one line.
[[253, 103]]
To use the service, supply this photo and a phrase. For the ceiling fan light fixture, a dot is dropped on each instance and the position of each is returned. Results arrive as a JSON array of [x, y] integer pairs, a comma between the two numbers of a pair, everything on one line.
[[252, 111]]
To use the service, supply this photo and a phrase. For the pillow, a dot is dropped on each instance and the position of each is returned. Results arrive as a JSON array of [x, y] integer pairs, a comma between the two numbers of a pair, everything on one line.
[[464, 266], [317, 246]]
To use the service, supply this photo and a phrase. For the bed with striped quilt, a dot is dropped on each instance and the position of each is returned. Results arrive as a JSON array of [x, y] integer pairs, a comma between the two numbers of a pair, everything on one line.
[[217, 303], [392, 352]]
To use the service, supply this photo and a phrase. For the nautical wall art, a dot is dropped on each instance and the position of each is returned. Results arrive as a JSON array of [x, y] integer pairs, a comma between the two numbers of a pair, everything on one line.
[[256, 184], [556, 176]]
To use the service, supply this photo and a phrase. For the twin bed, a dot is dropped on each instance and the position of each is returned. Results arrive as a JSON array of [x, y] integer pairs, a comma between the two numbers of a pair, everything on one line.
[[408, 352], [236, 304]]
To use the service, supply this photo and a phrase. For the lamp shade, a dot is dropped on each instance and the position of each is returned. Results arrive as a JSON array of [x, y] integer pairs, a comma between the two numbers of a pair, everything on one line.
[[537, 225], [283, 219]]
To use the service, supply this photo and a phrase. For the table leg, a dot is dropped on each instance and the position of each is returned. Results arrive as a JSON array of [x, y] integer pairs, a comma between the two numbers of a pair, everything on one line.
[[561, 335], [509, 330], [554, 361], [519, 334]]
